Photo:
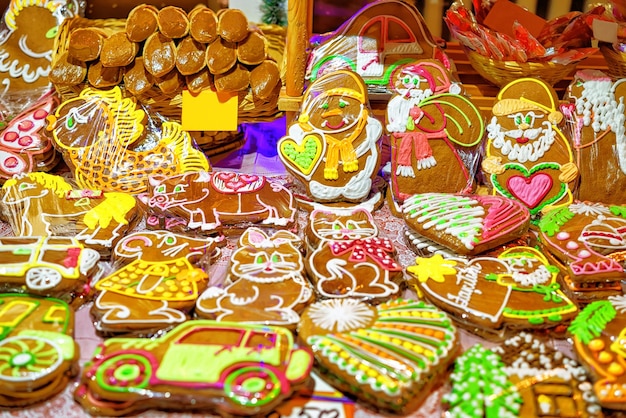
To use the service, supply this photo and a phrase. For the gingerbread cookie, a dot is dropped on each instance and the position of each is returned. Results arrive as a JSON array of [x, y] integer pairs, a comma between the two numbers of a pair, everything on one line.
[[434, 131], [156, 278], [332, 148], [596, 123], [337, 225], [38, 354], [364, 44], [522, 377], [265, 282], [585, 239], [518, 289], [598, 334], [528, 158], [210, 202], [106, 142], [247, 370], [466, 224], [47, 204], [388, 356]]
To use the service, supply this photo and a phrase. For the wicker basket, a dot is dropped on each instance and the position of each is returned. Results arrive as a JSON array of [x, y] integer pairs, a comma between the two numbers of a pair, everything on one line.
[[501, 73], [615, 60], [250, 108]]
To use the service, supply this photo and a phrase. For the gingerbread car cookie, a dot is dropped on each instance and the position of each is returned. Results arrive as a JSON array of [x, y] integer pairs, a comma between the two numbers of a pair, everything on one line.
[[265, 283], [434, 131], [247, 370], [38, 354], [332, 148], [157, 277], [585, 239], [522, 377], [518, 289], [596, 122], [528, 157], [388, 356], [466, 224], [106, 142], [47, 204]]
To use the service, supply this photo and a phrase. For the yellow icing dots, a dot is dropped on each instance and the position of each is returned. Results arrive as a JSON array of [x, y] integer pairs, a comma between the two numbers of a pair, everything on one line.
[[615, 369], [596, 345], [605, 357]]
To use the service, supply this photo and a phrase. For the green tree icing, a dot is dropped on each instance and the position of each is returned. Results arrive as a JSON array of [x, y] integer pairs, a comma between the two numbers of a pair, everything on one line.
[[618, 211], [590, 322], [481, 388], [552, 221], [274, 12]]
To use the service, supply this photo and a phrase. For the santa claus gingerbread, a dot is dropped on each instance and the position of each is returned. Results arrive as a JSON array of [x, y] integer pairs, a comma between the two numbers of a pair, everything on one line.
[[527, 157]]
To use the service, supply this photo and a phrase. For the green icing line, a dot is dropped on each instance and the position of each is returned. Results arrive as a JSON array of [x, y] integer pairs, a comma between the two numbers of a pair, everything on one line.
[[618, 211], [592, 320], [551, 222]]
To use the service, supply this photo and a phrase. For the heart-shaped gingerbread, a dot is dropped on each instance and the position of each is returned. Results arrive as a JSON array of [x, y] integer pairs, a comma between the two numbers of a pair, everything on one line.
[[304, 156]]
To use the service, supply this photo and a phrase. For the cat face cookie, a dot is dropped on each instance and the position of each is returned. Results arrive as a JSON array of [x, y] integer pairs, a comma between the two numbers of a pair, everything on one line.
[[518, 289], [155, 281], [596, 123], [528, 157], [466, 224], [332, 148], [334, 225], [434, 131], [388, 356], [246, 370], [38, 354], [265, 283]]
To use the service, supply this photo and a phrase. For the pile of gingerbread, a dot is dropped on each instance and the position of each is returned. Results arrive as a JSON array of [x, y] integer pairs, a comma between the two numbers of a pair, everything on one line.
[[416, 254]]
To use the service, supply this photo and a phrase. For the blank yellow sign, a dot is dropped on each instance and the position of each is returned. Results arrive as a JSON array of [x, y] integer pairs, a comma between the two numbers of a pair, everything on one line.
[[209, 111]]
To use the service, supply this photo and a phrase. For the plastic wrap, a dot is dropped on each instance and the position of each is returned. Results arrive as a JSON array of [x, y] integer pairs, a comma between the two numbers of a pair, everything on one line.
[[332, 148], [218, 202], [435, 132], [520, 378], [594, 124], [38, 355], [44, 204], [373, 42], [496, 296], [370, 351], [153, 283], [267, 272], [110, 143], [252, 369]]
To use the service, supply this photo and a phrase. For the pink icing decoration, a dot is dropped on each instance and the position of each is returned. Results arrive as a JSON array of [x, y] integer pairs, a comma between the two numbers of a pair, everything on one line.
[[503, 215], [25, 125], [584, 254], [572, 245], [561, 236], [531, 190]]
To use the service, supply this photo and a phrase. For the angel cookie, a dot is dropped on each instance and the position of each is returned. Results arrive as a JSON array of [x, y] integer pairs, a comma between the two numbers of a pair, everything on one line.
[[157, 277], [518, 289], [265, 283], [434, 131], [332, 148], [388, 356], [586, 240], [528, 158], [596, 121]]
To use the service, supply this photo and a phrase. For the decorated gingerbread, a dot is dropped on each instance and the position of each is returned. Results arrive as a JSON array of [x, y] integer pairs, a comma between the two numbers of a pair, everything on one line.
[[332, 148], [528, 157], [434, 131], [265, 284], [596, 121], [328, 225], [517, 289], [156, 279], [108, 145], [586, 240]]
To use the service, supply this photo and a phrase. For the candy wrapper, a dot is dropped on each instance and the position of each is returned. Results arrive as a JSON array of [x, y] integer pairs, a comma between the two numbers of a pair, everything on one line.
[[38, 354], [245, 370], [553, 43], [373, 42], [169, 271], [110, 143], [43, 204]]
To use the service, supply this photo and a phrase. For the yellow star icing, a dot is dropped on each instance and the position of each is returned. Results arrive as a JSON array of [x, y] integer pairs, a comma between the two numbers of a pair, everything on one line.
[[434, 268]]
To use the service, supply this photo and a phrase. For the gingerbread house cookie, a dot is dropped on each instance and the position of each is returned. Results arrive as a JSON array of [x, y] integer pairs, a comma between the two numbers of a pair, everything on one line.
[[434, 131], [528, 158], [388, 356], [596, 123], [518, 289], [332, 148]]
